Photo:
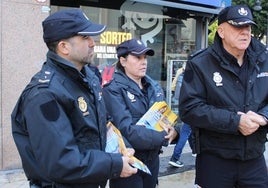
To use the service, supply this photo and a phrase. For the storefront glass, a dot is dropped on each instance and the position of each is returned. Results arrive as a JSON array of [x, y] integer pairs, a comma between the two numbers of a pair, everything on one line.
[[171, 38]]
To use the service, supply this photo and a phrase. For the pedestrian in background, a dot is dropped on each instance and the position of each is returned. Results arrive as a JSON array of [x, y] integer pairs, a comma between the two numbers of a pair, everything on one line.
[[59, 122], [128, 97], [185, 132], [224, 97]]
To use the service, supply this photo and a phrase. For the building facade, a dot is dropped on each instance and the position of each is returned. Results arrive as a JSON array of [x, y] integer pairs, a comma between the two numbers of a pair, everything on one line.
[[174, 29]]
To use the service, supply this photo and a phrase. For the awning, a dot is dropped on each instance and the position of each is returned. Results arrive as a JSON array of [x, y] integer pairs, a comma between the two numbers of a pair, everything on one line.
[[204, 6]]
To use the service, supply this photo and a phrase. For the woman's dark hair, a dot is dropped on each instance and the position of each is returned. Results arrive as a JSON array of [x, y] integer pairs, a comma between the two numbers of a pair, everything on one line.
[[118, 64]]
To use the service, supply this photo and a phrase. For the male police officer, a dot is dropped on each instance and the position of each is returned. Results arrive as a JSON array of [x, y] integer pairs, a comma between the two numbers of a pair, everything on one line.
[[224, 98], [59, 122]]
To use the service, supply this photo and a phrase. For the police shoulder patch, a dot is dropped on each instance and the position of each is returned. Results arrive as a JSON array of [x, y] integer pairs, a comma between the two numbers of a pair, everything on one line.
[[50, 110]]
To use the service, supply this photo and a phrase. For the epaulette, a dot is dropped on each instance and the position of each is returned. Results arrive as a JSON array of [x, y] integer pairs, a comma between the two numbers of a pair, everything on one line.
[[196, 53], [41, 80], [44, 78]]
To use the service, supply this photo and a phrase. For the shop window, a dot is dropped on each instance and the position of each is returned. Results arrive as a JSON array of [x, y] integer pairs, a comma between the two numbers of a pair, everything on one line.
[[171, 38]]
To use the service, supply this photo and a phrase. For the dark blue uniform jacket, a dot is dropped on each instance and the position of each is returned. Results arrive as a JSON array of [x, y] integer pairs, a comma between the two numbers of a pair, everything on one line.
[[126, 104], [212, 94], [59, 127]]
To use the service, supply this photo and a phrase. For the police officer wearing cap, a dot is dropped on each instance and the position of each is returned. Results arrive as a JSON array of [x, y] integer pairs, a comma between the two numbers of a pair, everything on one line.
[[59, 121], [224, 97], [127, 98]]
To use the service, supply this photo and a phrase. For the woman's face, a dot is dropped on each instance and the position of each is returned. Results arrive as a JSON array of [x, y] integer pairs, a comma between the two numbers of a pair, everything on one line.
[[135, 66]]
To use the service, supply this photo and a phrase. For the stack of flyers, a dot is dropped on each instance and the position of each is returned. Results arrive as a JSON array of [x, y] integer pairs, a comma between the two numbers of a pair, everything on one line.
[[116, 144], [158, 116]]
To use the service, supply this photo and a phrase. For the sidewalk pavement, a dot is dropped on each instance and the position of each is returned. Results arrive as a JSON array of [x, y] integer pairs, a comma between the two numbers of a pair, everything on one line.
[[168, 176]]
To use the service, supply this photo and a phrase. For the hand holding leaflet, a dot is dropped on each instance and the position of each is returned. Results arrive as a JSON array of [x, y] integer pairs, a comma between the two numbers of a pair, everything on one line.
[[159, 117], [116, 144]]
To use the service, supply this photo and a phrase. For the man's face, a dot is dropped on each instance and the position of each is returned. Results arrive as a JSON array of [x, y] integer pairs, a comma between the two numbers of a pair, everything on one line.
[[81, 50], [235, 38]]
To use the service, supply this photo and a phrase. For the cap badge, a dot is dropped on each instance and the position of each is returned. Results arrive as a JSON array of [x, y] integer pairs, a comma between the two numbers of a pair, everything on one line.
[[82, 104], [217, 78], [139, 42], [131, 96], [243, 12]]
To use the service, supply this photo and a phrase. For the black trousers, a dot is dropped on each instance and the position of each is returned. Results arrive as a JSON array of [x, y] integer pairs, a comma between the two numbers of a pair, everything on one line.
[[215, 172]]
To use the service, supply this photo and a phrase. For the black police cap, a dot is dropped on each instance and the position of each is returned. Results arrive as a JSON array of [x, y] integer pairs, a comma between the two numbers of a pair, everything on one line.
[[67, 23], [237, 15], [134, 47]]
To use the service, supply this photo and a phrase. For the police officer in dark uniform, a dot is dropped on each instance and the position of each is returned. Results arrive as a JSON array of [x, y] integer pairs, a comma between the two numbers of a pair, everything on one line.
[[127, 98], [59, 121], [224, 97]]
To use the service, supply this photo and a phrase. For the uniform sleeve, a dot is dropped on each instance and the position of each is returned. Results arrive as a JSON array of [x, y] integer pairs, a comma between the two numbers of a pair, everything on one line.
[[194, 107], [264, 112], [139, 137], [55, 149]]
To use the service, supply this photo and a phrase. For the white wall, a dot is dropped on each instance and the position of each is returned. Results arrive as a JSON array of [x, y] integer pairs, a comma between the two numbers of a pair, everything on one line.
[[22, 52]]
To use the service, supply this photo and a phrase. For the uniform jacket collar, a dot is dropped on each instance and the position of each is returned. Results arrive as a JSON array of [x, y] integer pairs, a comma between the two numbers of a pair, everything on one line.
[[255, 52], [153, 88], [126, 82], [68, 68]]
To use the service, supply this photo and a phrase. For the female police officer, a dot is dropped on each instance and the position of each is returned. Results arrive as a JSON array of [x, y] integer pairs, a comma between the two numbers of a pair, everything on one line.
[[128, 96]]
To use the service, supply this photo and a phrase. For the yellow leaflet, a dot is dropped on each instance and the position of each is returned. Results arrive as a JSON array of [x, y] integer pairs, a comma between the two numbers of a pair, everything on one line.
[[158, 116], [116, 144]]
